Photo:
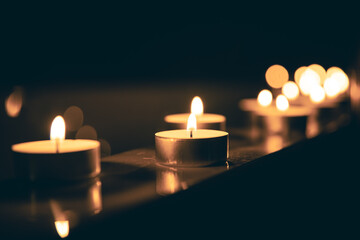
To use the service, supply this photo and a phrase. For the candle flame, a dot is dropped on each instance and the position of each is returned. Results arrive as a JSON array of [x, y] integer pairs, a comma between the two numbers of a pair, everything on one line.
[[265, 98], [197, 106], [62, 228], [308, 80], [191, 124], [290, 90], [331, 87], [317, 94], [57, 131], [282, 103]]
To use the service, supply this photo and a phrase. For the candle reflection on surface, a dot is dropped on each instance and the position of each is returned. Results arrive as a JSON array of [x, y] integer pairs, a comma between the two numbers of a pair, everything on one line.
[[61, 219], [13, 103], [95, 197], [312, 126], [62, 228], [65, 206], [274, 143], [273, 124], [168, 181]]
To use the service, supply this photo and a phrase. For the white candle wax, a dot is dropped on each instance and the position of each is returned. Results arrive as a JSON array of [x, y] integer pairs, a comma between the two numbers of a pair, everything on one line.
[[204, 121], [185, 134], [49, 146]]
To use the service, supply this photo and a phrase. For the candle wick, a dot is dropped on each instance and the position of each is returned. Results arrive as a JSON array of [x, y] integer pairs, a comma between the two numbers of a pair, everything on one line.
[[57, 145], [191, 133]]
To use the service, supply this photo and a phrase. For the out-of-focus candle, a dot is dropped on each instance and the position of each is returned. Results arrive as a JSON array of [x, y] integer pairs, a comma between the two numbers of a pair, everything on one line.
[[191, 147], [277, 118], [204, 120], [58, 158], [252, 105]]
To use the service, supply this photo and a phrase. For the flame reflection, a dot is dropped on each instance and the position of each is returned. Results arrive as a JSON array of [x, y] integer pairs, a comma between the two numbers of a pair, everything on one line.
[[95, 197], [274, 143], [168, 181], [61, 219], [13, 103], [62, 228], [67, 209]]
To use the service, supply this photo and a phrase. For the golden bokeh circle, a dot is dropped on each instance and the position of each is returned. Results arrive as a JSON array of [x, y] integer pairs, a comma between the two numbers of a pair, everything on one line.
[[86, 132], [276, 76], [74, 118]]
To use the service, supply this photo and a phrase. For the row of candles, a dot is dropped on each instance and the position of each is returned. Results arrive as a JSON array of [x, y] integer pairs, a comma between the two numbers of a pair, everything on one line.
[[196, 139]]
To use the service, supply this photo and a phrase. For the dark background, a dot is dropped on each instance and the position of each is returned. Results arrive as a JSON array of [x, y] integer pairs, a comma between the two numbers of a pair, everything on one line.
[[127, 67], [148, 50]]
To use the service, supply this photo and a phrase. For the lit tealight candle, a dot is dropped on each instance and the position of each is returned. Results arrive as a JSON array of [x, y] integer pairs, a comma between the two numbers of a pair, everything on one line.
[[280, 108], [283, 109], [57, 158], [204, 120], [278, 117], [284, 119], [191, 147]]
